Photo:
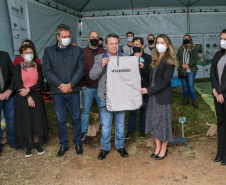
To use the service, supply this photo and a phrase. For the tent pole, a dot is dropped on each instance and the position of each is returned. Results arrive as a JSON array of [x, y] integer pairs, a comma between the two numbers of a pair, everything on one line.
[[188, 20]]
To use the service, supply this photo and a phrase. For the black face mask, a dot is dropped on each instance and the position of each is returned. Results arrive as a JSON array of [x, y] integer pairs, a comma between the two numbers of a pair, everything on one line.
[[100, 45], [136, 49], [186, 41], [151, 42], [94, 42]]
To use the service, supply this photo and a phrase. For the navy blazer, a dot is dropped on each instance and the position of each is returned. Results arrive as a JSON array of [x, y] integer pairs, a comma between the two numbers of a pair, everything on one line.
[[162, 89]]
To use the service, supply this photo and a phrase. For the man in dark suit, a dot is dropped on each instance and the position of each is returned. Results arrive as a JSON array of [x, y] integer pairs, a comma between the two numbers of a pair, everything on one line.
[[64, 66], [7, 98]]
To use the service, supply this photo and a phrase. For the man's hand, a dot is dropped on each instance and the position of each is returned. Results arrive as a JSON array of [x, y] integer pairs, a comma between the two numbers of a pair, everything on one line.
[[105, 62], [24, 91], [2, 97], [143, 91], [137, 55], [84, 87], [65, 88], [141, 65], [7, 94]]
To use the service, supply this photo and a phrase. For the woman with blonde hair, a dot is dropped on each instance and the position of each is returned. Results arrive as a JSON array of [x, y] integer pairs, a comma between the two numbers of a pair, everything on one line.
[[187, 56], [159, 108]]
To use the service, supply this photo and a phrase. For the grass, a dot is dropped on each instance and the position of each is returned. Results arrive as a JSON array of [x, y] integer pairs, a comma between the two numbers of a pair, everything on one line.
[[195, 118]]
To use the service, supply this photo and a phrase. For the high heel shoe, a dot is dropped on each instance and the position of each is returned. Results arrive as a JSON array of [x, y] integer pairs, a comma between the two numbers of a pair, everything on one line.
[[154, 155], [161, 158]]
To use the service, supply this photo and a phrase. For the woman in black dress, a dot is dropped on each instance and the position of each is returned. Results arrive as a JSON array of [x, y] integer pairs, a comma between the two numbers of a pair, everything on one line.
[[30, 125], [159, 107], [218, 81]]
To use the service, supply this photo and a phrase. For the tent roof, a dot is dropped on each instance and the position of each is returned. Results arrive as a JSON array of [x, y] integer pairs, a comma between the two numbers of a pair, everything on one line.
[[102, 5]]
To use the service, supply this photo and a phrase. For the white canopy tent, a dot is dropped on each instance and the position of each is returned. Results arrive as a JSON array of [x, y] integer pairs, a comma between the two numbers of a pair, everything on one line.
[[118, 16]]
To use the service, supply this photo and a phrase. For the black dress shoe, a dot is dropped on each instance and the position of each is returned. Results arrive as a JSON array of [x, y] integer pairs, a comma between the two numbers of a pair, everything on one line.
[[161, 158], [218, 159], [102, 155], [0, 152], [129, 135], [62, 151], [154, 155], [223, 162], [79, 149], [123, 152]]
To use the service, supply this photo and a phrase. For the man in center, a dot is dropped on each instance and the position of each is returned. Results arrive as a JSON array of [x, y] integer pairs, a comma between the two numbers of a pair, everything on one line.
[[144, 61], [99, 72]]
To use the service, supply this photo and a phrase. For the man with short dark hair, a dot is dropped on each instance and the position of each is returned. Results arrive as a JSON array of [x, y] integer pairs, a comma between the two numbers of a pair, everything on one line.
[[7, 87], [89, 86], [151, 44], [101, 42], [128, 49], [144, 62], [99, 72], [64, 67]]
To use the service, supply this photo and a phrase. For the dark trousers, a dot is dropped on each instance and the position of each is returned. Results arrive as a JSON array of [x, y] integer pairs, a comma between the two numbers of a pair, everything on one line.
[[133, 116], [221, 128], [60, 103]]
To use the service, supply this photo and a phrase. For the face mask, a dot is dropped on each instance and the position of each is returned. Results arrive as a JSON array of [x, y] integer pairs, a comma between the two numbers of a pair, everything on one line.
[[94, 42], [29, 57], [223, 44], [136, 49], [161, 48], [130, 39], [100, 45], [65, 42], [151, 42], [186, 41]]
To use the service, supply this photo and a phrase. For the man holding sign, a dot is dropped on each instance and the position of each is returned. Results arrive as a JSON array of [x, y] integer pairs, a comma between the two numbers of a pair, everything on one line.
[[99, 72]]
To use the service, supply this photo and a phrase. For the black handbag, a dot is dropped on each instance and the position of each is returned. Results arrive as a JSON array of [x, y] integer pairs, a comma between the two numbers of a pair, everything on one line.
[[182, 73]]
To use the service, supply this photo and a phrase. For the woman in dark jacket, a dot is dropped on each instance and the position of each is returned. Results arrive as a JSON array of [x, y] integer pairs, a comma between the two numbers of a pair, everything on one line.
[[187, 56], [218, 80], [159, 107], [30, 124]]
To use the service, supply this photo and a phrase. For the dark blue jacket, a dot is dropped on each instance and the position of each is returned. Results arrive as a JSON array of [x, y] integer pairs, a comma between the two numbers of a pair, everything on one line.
[[58, 69]]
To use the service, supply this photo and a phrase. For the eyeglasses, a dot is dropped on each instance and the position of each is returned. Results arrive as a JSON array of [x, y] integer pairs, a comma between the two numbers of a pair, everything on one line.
[[26, 53]]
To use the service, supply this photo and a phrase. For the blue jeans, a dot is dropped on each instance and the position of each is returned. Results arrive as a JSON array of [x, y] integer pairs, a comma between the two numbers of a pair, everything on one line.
[[107, 118], [133, 116], [87, 98], [8, 111], [60, 103], [188, 86]]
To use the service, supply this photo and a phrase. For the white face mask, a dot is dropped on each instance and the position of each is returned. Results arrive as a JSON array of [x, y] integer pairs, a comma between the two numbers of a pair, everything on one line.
[[161, 48], [130, 39], [65, 42], [29, 57], [223, 44]]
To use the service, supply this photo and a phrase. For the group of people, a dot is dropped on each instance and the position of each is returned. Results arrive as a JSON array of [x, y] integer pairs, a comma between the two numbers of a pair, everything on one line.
[[70, 69]]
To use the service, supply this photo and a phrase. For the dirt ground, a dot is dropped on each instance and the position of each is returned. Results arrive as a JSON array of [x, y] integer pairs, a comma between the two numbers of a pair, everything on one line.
[[183, 165]]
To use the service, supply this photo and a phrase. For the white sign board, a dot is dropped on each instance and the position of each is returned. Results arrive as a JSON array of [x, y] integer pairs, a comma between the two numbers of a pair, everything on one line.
[[19, 22]]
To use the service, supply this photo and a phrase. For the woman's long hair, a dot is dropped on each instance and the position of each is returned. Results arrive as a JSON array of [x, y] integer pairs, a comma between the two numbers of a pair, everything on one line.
[[223, 51], [169, 55], [191, 46]]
